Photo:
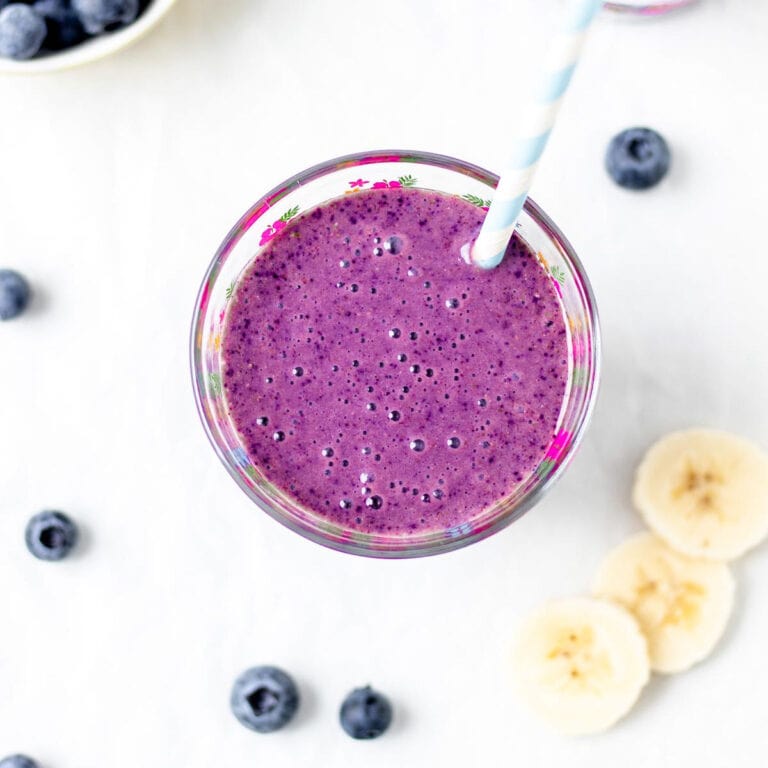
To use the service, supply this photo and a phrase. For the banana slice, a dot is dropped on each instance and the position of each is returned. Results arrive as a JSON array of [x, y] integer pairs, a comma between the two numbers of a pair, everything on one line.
[[682, 605], [580, 664], [705, 493]]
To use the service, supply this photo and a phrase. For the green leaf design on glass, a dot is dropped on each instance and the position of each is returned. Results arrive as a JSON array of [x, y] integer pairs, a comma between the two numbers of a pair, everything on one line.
[[558, 274], [475, 200], [407, 181], [250, 470], [545, 468], [289, 214], [214, 383], [230, 290], [579, 375]]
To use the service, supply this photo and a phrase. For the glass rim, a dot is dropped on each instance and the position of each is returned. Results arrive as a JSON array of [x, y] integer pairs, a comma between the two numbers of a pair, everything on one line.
[[434, 542], [647, 7]]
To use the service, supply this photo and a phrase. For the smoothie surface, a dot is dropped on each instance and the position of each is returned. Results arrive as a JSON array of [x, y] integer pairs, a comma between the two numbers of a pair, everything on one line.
[[381, 381]]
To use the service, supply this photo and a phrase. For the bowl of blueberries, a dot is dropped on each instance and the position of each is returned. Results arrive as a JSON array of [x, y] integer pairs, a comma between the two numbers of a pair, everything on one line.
[[48, 35]]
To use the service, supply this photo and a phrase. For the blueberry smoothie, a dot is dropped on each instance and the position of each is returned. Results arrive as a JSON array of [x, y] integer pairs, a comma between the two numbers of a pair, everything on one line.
[[382, 382]]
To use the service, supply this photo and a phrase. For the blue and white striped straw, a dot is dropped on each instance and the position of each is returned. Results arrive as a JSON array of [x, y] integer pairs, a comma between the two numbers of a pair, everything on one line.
[[537, 120]]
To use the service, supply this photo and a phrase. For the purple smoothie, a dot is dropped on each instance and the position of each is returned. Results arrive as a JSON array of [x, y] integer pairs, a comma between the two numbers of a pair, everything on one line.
[[382, 382]]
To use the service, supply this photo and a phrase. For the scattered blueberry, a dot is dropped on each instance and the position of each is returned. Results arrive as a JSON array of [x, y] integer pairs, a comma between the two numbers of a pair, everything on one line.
[[637, 158], [264, 699], [17, 761], [22, 31], [14, 293], [50, 536], [365, 713], [62, 22], [99, 16]]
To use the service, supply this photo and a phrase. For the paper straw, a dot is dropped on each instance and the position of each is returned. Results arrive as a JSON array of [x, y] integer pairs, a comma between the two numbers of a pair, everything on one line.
[[536, 122]]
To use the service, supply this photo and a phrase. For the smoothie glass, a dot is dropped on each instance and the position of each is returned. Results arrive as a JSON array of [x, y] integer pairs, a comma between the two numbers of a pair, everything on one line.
[[347, 175]]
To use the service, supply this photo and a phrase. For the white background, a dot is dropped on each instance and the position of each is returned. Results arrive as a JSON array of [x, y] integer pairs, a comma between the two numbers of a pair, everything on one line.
[[118, 181]]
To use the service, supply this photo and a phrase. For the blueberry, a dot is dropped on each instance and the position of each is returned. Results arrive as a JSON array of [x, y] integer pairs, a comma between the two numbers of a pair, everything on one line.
[[100, 16], [365, 713], [264, 699], [18, 761], [637, 158], [50, 536], [64, 26], [14, 293], [22, 31]]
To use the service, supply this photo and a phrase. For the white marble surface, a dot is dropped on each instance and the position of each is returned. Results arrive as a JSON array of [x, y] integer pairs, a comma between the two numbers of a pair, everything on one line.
[[118, 181]]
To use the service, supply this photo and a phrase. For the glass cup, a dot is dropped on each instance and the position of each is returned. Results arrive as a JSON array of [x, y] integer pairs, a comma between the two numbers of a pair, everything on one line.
[[319, 185]]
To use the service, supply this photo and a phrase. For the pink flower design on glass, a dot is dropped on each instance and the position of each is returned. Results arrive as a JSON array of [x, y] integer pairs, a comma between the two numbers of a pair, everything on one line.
[[271, 231], [579, 348], [386, 185], [358, 183], [558, 446]]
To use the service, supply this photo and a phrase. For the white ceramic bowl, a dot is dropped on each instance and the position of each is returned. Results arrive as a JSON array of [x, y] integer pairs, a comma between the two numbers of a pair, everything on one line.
[[93, 49]]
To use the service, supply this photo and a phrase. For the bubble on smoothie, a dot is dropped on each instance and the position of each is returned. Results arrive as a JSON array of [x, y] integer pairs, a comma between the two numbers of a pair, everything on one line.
[[327, 452], [366, 451], [418, 445], [453, 442], [437, 493], [482, 402], [370, 406], [425, 497], [394, 415], [413, 335], [366, 477], [452, 303], [415, 368], [402, 357], [394, 245], [412, 272], [394, 333], [262, 421], [278, 436], [298, 371], [354, 287], [344, 263], [378, 251], [374, 502], [345, 503]]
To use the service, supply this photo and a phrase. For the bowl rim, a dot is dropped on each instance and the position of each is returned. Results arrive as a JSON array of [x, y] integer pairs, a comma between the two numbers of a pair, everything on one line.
[[93, 49], [408, 549]]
